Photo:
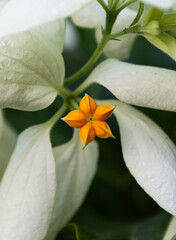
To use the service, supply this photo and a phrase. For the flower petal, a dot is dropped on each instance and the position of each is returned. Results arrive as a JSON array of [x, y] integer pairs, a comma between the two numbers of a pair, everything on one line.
[[19, 15], [171, 231], [102, 129], [88, 105], [87, 133], [103, 112], [75, 169], [163, 4], [7, 144], [31, 67], [75, 119], [149, 154], [146, 86], [27, 189]]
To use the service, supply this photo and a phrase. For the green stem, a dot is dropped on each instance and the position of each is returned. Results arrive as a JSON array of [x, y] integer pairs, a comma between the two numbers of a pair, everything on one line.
[[133, 29], [139, 14], [52, 121], [114, 5], [73, 104], [81, 88], [64, 92], [102, 3], [89, 64], [125, 5]]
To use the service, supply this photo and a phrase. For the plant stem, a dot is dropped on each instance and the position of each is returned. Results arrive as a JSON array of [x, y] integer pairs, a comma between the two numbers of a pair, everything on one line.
[[89, 64], [133, 29], [139, 14], [52, 121], [102, 3], [125, 5], [110, 19]]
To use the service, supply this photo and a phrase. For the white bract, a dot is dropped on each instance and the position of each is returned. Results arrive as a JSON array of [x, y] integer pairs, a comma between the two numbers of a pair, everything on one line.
[[163, 4], [37, 184], [31, 67], [145, 86], [28, 187], [75, 170], [20, 15]]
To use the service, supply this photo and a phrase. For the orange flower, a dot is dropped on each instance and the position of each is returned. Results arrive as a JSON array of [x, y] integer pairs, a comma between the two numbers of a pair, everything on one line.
[[90, 118]]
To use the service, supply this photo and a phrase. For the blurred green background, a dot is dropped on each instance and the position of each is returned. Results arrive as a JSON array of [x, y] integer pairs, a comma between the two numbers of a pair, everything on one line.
[[116, 207]]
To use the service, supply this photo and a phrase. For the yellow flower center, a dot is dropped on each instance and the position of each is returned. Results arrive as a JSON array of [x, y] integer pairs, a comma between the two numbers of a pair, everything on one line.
[[90, 118]]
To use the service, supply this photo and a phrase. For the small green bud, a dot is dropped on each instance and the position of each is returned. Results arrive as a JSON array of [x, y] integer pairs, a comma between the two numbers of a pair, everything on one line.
[[151, 27]]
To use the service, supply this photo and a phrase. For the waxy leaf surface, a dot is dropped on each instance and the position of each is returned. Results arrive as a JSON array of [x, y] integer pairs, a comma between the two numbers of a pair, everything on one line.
[[138, 85], [75, 169], [28, 187], [31, 67], [149, 154], [20, 15]]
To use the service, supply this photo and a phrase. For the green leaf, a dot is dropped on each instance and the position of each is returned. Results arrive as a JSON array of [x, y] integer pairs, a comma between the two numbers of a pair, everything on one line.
[[152, 229], [164, 42], [168, 21], [72, 232]]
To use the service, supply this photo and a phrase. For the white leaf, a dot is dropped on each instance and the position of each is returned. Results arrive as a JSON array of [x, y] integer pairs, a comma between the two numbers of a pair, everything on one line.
[[149, 154], [20, 15], [53, 32], [171, 231], [146, 86], [72, 37], [7, 144], [91, 16], [163, 4], [28, 187], [31, 68], [75, 169]]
